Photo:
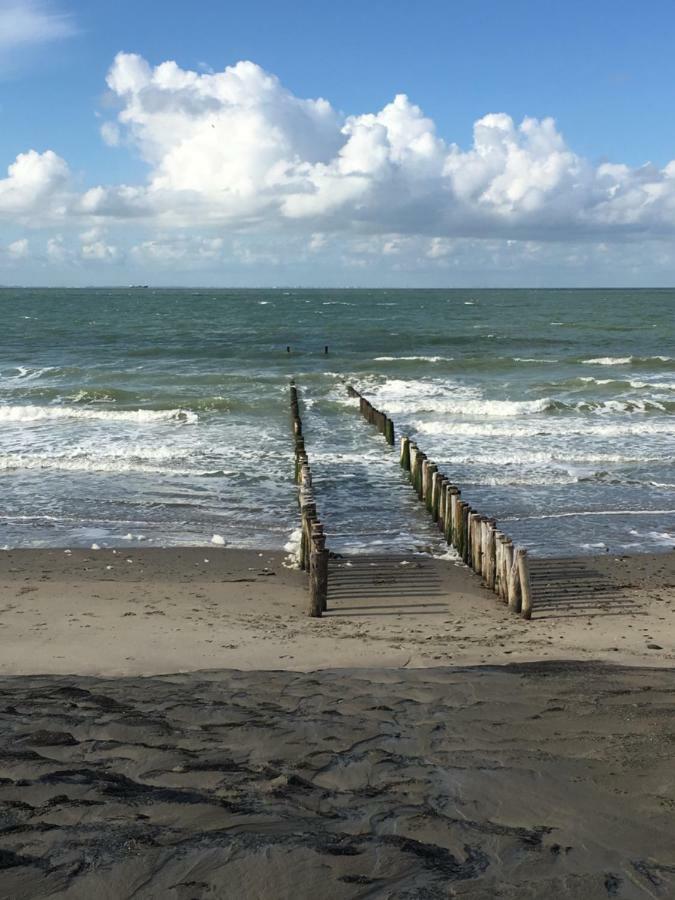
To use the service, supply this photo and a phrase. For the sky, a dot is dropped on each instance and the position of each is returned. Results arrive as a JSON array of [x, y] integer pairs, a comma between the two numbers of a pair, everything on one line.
[[397, 144]]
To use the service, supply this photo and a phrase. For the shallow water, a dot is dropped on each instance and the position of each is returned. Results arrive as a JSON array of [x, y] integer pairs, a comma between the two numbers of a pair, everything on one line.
[[163, 415]]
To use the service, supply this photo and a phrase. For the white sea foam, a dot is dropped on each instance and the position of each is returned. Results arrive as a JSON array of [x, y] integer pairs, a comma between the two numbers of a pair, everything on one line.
[[292, 548], [608, 361], [31, 413], [624, 360], [593, 512], [26, 373], [564, 426], [470, 407], [84, 463], [516, 456], [666, 538], [414, 358]]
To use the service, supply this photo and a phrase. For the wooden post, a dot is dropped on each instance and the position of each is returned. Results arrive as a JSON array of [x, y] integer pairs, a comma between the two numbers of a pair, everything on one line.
[[459, 525], [466, 536], [412, 450], [498, 562], [429, 488], [405, 453], [525, 586], [474, 546], [419, 481], [507, 562], [436, 494], [439, 518], [443, 502], [391, 438], [491, 550], [425, 479], [452, 523], [514, 583], [483, 547]]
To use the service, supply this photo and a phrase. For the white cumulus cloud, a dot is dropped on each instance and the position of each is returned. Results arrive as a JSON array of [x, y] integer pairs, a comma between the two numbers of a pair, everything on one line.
[[236, 147], [36, 184], [233, 157]]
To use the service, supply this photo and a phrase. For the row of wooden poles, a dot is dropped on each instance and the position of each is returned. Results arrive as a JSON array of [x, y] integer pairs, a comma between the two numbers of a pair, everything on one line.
[[313, 552], [382, 422], [476, 538]]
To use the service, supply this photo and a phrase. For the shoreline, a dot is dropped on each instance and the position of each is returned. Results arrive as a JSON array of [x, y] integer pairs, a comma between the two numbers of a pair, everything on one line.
[[151, 611]]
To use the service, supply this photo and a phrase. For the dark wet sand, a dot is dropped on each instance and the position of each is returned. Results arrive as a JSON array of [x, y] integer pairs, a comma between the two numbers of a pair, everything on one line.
[[548, 780]]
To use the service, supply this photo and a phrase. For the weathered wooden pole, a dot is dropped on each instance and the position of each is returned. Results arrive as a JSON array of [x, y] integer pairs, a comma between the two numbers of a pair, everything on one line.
[[432, 468], [466, 534], [405, 453], [483, 547], [475, 541], [389, 432], [453, 522], [525, 585], [514, 583], [419, 480], [412, 449], [425, 479], [491, 551], [443, 502], [441, 482], [507, 562], [499, 536]]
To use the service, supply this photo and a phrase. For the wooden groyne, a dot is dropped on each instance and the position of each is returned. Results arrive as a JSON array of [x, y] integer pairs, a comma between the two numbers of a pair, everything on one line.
[[377, 418], [313, 552], [485, 548]]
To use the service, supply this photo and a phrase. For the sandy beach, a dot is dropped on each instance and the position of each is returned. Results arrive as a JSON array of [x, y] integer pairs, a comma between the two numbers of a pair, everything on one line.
[[152, 611], [544, 780], [175, 726]]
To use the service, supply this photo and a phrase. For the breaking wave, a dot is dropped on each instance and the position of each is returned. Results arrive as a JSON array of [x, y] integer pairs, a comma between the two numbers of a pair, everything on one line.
[[50, 413]]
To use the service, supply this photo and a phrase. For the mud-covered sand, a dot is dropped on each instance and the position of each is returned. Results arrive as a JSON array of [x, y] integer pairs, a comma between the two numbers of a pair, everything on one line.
[[150, 611], [542, 781]]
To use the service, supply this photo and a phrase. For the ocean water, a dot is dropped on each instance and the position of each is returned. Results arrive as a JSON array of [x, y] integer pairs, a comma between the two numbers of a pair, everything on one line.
[[161, 416]]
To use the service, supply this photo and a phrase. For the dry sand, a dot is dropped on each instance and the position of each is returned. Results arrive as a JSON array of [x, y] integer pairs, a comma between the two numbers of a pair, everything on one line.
[[152, 611], [368, 754]]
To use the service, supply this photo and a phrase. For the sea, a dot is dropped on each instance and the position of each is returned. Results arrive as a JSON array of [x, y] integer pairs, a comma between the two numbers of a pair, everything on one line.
[[161, 417]]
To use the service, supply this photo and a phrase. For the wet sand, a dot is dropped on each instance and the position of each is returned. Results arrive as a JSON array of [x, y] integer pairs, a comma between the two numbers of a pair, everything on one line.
[[547, 780], [151, 611]]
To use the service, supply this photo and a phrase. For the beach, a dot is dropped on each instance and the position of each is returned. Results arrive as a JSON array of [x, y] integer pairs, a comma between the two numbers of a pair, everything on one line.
[[174, 725], [151, 611], [527, 781]]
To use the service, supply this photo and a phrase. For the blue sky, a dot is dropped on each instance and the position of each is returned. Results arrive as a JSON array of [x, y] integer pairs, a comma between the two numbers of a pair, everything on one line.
[[360, 189]]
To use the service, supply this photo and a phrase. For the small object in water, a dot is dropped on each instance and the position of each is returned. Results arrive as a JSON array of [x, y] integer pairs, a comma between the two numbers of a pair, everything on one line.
[[325, 349], [288, 349]]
